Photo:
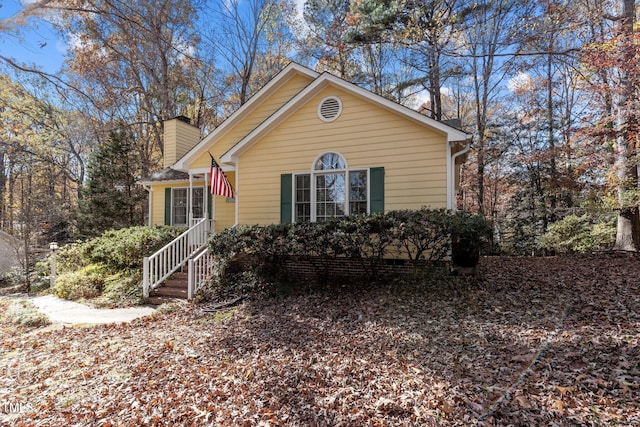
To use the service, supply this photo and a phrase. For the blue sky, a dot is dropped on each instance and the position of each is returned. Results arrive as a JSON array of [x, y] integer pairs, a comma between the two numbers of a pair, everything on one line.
[[36, 43]]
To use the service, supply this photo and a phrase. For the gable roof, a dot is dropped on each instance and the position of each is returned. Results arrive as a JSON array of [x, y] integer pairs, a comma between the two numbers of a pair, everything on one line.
[[320, 83], [256, 100]]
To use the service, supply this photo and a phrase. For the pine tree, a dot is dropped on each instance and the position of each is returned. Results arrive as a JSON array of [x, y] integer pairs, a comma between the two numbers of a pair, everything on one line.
[[111, 198]]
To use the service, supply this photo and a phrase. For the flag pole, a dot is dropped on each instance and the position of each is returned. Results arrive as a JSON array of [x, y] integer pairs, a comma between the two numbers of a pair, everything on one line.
[[220, 185], [213, 197]]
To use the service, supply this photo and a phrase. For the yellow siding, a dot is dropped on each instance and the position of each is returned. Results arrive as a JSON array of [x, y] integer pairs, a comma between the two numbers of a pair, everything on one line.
[[367, 135], [225, 212], [157, 203], [179, 137], [250, 122]]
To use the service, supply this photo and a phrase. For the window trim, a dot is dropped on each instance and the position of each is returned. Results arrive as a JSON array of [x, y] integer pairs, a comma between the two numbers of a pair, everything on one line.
[[189, 204], [313, 172]]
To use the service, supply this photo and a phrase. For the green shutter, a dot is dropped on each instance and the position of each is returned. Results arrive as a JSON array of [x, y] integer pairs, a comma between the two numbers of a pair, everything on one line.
[[167, 206], [286, 181], [376, 189]]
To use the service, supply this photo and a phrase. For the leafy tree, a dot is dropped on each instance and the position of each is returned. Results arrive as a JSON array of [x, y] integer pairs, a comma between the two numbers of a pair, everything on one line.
[[626, 129], [489, 27], [132, 62], [431, 30], [373, 31], [327, 22], [618, 83], [36, 191]]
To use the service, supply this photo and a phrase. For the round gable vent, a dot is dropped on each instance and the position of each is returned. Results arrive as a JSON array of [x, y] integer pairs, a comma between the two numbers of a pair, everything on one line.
[[330, 108]]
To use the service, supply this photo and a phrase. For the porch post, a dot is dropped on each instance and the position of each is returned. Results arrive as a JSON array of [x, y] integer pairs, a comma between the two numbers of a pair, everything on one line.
[[206, 200], [213, 214], [190, 202]]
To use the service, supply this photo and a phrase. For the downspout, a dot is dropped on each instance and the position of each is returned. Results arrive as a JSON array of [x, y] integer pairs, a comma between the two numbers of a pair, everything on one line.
[[236, 191], [452, 172]]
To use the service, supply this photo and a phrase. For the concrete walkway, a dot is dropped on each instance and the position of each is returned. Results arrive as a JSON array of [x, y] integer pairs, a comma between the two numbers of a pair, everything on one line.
[[70, 312]]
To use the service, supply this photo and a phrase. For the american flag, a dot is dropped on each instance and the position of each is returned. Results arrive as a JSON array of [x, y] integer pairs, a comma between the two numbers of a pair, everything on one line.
[[220, 185]]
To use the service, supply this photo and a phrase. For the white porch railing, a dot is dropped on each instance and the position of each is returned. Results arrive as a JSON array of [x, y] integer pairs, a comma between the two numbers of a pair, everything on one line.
[[195, 221], [201, 269], [174, 255]]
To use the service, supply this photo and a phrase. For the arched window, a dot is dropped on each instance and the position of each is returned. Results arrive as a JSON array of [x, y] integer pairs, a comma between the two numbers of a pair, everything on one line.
[[330, 190], [330, 161]]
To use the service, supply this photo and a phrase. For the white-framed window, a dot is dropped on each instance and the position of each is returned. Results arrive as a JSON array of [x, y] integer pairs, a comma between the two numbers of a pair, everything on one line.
[[180, 205], [330, 190]]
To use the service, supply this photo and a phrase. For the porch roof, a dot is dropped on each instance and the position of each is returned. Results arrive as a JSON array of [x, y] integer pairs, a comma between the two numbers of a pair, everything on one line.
[[166, 174]]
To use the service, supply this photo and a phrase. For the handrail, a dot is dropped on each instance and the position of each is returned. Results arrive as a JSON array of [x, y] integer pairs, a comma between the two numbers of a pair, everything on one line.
[[201, 268], [159, 266]]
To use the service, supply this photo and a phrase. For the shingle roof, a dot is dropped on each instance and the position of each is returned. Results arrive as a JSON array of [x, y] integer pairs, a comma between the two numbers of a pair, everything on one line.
[[166, 174]]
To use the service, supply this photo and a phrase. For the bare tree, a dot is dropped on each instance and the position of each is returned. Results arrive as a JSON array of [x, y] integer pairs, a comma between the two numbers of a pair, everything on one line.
[[489, 27], [625, 116], [239, 35]]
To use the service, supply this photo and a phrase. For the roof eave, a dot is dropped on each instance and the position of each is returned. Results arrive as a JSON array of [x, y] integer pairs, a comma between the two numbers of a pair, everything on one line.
[[231, 156], [274, 84]]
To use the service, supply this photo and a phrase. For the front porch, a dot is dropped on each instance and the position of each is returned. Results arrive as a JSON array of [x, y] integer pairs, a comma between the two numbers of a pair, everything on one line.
[[181, 199]]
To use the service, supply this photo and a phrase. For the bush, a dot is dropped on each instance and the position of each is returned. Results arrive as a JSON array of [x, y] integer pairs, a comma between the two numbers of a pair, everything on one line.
[[109, 266], [579, 234], [85, 283], [470, 234], [418, 235], [70, 258], [125, 248], [423, 235], [121, 290], [23, 312]]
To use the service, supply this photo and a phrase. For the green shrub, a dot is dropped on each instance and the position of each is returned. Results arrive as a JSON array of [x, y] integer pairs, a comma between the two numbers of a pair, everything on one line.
[[109, 266], [418, 235], [121, 290], [116, 249], [422, 234], [85, 283], [23, 312], [125, 248], [579, 234], [70, 258]]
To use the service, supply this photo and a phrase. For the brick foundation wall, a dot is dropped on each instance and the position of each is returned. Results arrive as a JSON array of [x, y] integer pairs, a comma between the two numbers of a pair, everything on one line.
[[315, 269]]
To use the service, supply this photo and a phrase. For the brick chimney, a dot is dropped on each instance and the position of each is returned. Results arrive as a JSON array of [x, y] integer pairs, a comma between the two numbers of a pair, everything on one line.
[[180, 136]]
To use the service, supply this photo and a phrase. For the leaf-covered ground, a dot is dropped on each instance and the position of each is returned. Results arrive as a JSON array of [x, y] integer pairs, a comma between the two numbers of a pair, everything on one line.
[[543, 341]]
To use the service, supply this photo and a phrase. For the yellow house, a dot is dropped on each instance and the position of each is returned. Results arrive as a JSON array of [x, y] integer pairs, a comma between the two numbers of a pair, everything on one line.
[[306, 147]]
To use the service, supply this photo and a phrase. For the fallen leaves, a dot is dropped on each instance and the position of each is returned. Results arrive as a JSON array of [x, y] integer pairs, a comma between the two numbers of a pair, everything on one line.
[[540, 341]]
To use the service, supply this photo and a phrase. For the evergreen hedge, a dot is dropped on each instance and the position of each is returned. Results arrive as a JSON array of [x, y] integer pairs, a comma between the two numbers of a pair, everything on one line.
[[416, 235]]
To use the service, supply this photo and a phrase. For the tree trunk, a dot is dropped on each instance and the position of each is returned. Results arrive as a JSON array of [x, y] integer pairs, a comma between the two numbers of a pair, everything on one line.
[[553, 171], [3, 190], [628, 229]]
